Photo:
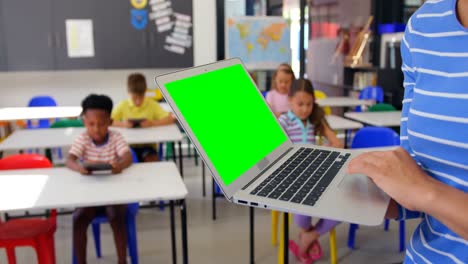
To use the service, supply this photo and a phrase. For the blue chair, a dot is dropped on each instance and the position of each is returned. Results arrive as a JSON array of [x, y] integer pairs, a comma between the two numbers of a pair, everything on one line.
[[40, 101], [130, 219], [371, 93], [368, 137], [264, 93]]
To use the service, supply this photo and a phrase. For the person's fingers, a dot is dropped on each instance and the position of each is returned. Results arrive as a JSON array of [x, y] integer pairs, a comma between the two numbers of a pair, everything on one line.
[[360, 166], [368, 164], [357, 163]]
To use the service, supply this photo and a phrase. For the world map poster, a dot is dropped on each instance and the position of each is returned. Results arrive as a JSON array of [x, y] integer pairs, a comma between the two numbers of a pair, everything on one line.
[[262, 43]]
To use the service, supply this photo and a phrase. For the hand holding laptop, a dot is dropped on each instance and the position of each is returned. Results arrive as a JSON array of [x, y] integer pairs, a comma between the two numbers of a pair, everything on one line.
[[404, 183]]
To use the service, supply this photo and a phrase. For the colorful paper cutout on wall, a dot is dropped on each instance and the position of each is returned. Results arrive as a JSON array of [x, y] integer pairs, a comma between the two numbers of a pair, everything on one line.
[[139, 4], [139, 18]]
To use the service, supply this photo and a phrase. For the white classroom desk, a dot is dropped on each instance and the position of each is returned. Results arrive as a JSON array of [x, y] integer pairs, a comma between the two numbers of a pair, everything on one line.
[[381, 119], [61, 188], [25, 113], [64, 137], [343, 101], [340, 123]]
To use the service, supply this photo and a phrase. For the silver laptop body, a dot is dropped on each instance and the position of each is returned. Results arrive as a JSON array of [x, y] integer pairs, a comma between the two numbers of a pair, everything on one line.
[[349, 198]]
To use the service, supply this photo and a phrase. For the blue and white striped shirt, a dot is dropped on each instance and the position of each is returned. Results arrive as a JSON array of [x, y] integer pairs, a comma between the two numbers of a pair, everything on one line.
[[434, 124], [296, 130]]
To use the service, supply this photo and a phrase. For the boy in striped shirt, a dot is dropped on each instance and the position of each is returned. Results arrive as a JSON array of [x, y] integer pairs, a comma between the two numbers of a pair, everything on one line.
[[99, 145]]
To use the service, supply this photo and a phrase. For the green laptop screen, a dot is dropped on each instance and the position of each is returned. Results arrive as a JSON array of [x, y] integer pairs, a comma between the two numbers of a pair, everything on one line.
[[229, 118]]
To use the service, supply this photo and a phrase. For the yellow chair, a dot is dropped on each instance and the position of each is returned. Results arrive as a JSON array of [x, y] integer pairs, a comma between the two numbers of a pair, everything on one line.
[[155, 94], [321, 95], [281, 242]]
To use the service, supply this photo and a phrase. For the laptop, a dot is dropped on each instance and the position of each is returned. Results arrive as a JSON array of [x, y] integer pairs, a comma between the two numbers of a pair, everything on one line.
[[251, 157]]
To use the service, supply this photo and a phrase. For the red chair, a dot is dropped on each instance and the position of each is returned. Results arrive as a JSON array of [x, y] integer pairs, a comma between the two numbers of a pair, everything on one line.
[[34, 232]]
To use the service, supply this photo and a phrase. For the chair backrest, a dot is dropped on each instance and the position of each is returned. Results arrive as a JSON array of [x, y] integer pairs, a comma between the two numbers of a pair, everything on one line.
[[28, 161], [67, 123], [24, 161], [134, 156], [43, 100], [369, 137], [40, 101], [382, 108], [321, 95], [372, 93]]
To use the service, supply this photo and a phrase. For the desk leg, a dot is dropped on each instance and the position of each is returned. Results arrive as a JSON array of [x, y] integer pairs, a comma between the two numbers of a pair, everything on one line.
[[252, 235], [173, 152], [203, 179], [346, 137], [173, 233], [213, 199], [183, 216], [286, 238], [181, 160]]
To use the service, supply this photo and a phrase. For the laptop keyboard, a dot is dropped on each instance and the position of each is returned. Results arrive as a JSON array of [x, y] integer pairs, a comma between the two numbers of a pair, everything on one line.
[[303, 177]]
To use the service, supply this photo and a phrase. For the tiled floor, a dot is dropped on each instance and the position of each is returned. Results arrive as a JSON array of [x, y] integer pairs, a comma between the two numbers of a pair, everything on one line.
[[225, 240]]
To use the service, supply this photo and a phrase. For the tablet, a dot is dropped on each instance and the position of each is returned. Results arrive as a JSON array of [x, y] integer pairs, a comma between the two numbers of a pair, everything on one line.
[[136, 121], [98, 168]]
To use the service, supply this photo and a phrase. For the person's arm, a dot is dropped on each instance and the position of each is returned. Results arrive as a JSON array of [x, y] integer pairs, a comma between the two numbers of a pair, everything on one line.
[[448, 205], [76, 151], [159, 117], [169, 119], [398, 175], [124, 155], [118, 117], [331, 137], [122, 162], [392, 210], [72, 164]]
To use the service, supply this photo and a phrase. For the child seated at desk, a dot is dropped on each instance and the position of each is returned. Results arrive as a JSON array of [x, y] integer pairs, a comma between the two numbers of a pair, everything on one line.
[[139, 108], [302, 123], [99, 145]]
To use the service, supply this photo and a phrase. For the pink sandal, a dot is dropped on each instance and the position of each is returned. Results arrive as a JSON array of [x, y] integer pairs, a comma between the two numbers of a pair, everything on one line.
[[308, 258], [315, 247]]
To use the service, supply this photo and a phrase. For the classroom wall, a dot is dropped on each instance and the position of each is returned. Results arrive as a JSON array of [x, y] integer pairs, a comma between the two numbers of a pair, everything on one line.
[[70, 87]]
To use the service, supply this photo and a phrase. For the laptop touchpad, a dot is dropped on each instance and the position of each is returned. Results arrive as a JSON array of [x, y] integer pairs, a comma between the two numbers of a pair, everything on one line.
[[356, 183]]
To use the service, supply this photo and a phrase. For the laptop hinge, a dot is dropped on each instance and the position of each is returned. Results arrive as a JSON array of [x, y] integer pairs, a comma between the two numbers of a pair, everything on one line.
[[267, 168]]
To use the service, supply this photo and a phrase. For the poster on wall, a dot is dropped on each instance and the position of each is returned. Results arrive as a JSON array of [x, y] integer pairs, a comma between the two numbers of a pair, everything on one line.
[[170, 25], [262, 43], [80, 40]]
